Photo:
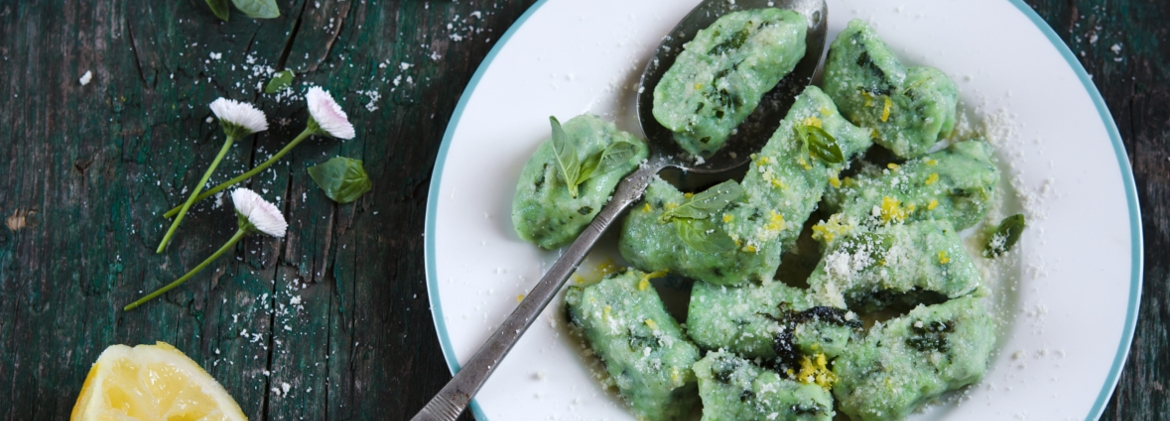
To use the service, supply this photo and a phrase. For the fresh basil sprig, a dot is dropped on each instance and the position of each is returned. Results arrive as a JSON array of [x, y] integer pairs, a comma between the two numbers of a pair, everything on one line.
[[1005, 236], [566, 153], [610, 159], [820, 143], [705, 204], [573, 170], [343, 179], [704, 235], [280, 80]]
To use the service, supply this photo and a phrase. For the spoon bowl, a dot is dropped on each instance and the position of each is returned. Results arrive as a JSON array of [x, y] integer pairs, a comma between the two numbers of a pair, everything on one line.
[[664, 154]]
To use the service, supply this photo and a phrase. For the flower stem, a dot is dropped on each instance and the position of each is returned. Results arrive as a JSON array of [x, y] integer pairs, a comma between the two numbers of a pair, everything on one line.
[[283, 151], [231, 243], [227, 144]]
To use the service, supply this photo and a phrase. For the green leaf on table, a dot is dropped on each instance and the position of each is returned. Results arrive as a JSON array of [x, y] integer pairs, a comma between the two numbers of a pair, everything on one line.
[[1005, 236], [220, 8], [703, 235], [707, 203], [343, 179], [822, 144], [258, 9], [566, 153], [280, 80]]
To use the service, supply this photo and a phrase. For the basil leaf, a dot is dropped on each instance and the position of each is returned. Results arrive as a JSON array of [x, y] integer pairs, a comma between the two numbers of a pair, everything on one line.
[[703, 235], [705, 204], [616, 155], [610, 159], [343, 180], [280, 80], [821, 143], [1005, 236], [258, 9], [220, 8], [589, 166], [566, 153]]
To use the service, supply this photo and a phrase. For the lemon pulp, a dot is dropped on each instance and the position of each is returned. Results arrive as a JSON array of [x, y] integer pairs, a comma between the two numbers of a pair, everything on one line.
[[152, 382]]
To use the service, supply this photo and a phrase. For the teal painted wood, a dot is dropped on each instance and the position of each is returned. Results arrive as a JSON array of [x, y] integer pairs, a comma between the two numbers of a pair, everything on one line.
[[88, 169]]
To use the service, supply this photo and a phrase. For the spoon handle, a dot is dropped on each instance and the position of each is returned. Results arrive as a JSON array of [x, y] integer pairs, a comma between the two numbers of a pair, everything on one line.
[[457, 394]]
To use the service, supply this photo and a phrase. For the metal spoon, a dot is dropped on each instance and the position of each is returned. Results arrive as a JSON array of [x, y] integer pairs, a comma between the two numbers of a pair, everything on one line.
[[664, 154]]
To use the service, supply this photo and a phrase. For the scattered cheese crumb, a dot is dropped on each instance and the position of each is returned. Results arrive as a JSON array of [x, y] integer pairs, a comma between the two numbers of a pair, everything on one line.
[[85, 78]]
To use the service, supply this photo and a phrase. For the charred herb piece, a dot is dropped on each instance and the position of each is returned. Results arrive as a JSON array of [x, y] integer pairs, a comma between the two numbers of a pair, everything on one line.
[[1005, 236]]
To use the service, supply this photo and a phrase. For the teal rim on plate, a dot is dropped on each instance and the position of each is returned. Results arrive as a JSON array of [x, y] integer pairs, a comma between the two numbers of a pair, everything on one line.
[[1135, 214], [1136, 252]]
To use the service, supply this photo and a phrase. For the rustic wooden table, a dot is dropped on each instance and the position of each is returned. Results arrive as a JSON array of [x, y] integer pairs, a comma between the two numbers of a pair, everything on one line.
[[332, 321]]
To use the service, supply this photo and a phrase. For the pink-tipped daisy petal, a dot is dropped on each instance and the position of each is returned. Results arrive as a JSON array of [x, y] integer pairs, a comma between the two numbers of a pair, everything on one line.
[[328, 115], [261, 214]]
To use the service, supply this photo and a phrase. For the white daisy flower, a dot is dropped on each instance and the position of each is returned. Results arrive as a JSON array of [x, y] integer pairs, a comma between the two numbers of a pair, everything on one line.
[[255, 215], [263, 216], [239, 119], [327, 114]]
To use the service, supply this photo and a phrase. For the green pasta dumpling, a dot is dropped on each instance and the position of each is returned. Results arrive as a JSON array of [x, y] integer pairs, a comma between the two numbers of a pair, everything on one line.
[[910, 108], [644, 349], [551, 210], [768, 321], [913, 359], [721, 75], [735, 389], [895, 266], [735, 232], [957, 184]]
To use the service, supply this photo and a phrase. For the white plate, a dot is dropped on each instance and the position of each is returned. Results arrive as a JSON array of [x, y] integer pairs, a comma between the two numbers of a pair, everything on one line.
[[1071, 303]]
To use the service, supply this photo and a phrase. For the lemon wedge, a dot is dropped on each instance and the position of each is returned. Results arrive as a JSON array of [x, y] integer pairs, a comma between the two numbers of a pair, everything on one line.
[[152, 382]]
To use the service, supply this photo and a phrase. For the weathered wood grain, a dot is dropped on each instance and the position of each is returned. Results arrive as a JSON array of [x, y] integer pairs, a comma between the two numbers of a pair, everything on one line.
[[337, 310]]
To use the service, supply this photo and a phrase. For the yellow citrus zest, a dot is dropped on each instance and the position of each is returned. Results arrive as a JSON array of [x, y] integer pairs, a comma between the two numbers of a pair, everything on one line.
[[892, 211], [651, 324], [644, 282], [827, 230], [815, 370]]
